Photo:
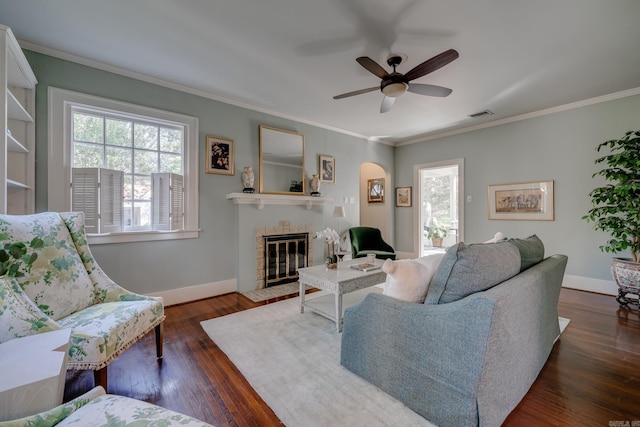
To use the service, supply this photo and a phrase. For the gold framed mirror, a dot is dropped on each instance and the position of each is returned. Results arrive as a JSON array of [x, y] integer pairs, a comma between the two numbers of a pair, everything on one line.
[[281, 161]]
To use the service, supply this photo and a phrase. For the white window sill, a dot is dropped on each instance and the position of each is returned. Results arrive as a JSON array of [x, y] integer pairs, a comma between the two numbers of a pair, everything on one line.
[[141, 236]]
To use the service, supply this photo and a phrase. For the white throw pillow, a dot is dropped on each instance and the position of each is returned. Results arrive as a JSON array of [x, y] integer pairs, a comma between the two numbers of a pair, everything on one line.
[[497, 238], [409, 280]]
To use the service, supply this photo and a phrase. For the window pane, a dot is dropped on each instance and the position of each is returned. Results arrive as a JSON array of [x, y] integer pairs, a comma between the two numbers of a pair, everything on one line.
[[146, 162], [119, 159], [142, 187], [118, 132], [137, 214], [87, 155], [146, 136], [87, 128], [171, 140], [171, 163]]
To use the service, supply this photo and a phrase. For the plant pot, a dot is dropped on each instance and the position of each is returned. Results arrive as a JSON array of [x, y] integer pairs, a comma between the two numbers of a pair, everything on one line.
[[436, 242], [626, 274]]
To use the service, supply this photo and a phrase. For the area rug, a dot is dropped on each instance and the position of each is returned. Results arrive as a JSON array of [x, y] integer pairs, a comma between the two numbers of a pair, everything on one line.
[[259, 295], [292, 360]]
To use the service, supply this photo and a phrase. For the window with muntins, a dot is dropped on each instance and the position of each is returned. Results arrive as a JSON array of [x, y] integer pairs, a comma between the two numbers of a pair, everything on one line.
[[155, 151]]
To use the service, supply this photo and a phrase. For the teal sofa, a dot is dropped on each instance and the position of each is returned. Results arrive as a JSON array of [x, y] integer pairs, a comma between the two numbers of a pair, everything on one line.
[[472, 350]]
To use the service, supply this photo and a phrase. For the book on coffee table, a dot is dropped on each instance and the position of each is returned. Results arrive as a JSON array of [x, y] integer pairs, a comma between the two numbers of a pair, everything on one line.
[[366, 266]]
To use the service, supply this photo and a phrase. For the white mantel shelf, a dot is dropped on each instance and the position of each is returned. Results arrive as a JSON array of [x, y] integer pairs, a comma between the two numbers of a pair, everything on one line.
[[276, 199]]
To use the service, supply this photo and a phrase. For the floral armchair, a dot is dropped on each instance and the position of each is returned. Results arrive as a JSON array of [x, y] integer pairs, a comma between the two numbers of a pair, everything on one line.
[[98, 409], [49, 280]]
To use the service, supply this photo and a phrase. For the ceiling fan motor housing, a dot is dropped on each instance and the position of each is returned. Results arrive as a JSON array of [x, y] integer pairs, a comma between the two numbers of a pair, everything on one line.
[[394, 84]]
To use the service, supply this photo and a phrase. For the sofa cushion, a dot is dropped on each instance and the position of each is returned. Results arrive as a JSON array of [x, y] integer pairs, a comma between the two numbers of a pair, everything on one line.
[[466, 269], [531, 251], [57, 281], [409, 279]]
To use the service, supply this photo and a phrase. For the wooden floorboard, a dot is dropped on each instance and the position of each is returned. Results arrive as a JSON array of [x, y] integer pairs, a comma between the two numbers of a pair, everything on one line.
[[592, 377]]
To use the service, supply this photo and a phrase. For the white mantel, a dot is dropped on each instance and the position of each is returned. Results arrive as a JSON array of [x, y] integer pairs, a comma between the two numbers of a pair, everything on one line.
[[276, 199]]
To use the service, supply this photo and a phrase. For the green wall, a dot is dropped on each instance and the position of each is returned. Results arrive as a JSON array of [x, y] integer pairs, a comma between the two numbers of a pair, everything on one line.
[[149, 267], [559, 146]]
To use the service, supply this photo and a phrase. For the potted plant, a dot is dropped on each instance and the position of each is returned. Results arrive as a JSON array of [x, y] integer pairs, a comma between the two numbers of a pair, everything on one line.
[[616, 210], [436, 234]]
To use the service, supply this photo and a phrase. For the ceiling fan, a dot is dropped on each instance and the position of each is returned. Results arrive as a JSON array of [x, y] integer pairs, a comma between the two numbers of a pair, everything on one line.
[[395, 84]]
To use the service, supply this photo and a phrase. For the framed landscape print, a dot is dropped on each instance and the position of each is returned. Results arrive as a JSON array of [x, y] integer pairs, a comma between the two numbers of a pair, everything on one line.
[[375, 190], [327, 169], [403, 196], [220, 155], [521, 201]]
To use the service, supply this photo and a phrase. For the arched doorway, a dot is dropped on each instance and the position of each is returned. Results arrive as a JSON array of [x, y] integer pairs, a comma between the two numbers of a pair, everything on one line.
[[373, 212]]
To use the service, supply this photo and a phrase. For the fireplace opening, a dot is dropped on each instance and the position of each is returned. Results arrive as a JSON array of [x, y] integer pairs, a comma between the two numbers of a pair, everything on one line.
[[284, 254]]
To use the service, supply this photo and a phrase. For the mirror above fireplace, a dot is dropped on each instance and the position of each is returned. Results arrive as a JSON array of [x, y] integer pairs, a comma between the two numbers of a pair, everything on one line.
[[281, 161]]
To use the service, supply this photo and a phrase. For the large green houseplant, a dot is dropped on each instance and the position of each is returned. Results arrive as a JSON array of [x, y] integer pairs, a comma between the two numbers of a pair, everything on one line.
[[616, 210]]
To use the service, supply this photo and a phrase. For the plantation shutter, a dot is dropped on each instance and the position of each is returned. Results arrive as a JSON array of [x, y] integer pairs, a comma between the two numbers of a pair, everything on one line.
[[111, 200], [84, 196], [167, 201], [99, 194], [177, 202]]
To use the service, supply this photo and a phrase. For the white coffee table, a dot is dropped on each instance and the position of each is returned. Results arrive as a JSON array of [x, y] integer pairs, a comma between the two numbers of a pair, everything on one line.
[[338, 282]]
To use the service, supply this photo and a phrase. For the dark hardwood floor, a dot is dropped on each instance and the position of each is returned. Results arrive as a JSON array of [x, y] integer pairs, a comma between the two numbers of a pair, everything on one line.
[[592, 377]]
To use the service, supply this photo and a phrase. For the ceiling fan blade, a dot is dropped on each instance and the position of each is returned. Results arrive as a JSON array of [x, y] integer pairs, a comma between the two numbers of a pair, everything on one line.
[[356, 92], [372, 66], [387, 103], [430, 65], [430, 90]]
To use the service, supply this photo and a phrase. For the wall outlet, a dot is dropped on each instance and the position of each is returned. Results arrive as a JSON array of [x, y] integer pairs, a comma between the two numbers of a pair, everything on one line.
[[469, 199]]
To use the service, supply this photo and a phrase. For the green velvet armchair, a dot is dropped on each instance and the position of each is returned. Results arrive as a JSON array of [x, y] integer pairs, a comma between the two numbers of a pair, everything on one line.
[[368, 240]]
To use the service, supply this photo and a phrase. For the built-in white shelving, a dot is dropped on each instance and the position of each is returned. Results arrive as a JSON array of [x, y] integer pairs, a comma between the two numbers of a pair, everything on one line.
[[17, 124]]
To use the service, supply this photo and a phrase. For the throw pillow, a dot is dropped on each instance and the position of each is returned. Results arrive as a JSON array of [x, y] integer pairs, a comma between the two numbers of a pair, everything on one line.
[[497, 238], [466, 269], [531, 251], [409, 280]]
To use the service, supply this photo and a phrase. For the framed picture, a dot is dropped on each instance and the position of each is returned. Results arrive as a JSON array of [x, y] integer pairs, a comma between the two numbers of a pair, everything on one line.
[[522, 201], [403, 196], [327, 169], [375, 190], [220, 155]]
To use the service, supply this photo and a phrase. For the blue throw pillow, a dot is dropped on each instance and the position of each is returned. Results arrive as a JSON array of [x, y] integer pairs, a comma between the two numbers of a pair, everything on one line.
[[531, 251], [466, 269]]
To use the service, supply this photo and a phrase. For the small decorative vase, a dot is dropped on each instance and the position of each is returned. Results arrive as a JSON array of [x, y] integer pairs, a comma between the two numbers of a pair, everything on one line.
[[314, 183], [247, 180], [436, 242]]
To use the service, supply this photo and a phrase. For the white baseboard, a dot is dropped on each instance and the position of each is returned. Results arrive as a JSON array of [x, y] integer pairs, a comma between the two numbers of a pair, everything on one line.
[[208, 290], [607, 287], [193, 293]]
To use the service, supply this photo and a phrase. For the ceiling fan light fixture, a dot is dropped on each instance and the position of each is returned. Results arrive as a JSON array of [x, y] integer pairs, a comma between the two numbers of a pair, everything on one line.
[[396, 89]]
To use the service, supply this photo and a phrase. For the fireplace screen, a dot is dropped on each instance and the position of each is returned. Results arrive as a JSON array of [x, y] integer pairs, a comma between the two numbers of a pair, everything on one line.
[[284, 254]]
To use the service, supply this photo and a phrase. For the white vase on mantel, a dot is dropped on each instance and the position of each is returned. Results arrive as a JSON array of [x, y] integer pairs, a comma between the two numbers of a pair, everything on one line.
[[248, 180], [314, 183]]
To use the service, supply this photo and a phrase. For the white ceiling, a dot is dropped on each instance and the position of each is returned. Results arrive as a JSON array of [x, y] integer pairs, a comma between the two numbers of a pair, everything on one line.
[[290, 57]]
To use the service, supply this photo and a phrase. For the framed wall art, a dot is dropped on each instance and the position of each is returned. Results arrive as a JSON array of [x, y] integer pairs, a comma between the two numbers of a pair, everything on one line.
[[403, 196], [220, 155], [375, 190], [327, 169], [522, 201]]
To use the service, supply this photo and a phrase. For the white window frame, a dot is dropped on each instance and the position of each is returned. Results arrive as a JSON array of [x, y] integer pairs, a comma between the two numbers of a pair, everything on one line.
[[60, 150]]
